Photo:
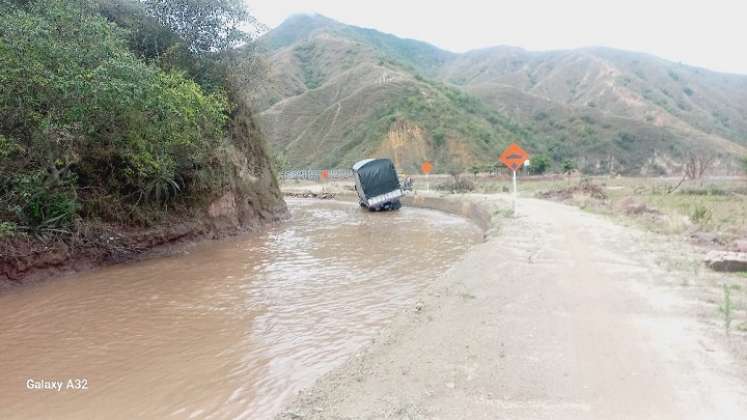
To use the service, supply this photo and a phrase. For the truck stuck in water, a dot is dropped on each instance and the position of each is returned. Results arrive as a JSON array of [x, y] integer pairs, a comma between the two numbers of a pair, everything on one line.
[[377, 184]]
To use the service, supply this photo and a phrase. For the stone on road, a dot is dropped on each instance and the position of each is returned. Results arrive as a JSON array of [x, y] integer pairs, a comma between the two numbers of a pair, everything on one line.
[[727, 261]]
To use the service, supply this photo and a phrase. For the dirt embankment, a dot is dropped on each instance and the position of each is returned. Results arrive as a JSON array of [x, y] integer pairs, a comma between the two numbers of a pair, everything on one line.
[[24, 260], [253, 199]]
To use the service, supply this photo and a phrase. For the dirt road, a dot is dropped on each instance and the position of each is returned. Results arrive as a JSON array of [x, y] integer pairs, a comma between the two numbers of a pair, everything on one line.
[[561, 315]]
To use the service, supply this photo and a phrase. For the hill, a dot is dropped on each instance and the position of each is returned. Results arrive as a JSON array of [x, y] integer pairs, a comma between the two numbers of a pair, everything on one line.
[[339, 93]]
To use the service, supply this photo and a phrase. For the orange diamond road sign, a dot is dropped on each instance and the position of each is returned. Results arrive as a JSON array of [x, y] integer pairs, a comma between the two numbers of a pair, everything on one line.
[[426, 167], [514, 156]]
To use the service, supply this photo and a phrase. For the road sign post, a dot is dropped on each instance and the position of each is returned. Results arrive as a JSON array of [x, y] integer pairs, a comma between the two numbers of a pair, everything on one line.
[[514, 197], [426, 168], [514, 157]]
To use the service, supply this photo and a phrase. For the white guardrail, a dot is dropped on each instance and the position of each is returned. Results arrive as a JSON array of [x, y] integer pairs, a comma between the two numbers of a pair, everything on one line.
[[316, 174]]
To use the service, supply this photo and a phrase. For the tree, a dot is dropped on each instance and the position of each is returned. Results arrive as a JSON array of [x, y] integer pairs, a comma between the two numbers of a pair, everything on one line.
[[695, 167], [568, 166], [206, 26], [539, 164], [455, 169], [697, 164]]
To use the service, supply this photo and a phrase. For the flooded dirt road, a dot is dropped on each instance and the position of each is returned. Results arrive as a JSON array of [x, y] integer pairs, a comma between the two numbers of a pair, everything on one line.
[[564, 315], [230, 329]]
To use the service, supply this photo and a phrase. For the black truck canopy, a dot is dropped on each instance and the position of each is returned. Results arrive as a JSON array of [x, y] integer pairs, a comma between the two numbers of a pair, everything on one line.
[[376, 177]]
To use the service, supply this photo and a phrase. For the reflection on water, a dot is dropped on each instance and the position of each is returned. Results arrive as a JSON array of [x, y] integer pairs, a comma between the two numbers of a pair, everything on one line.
[[228, 330]]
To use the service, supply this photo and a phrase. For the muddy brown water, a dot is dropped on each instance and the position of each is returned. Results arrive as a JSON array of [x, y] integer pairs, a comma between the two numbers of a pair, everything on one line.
[[227, 329]]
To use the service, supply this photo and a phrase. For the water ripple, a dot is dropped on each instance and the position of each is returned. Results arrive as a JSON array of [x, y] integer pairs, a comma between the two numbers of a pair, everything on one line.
[[232, 328]]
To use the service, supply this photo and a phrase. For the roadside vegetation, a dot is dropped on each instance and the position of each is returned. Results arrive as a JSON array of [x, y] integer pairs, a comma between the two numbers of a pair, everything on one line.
[[120, 116], [458, 181], [709, 209], [113, 111]]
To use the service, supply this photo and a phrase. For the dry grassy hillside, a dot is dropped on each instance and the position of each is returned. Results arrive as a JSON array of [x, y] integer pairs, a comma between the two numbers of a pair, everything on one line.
[[705, 106], [337, 93], [337, 97]]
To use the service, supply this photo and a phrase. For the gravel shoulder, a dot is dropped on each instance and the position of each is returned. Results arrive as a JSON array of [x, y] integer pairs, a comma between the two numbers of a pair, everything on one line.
[[560, 314]]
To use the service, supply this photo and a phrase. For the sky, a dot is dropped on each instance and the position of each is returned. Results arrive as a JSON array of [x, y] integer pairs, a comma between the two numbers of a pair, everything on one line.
[[710, 34]]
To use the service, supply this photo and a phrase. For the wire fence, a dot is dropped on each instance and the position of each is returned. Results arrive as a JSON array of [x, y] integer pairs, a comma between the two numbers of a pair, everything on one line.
[[316, 174]]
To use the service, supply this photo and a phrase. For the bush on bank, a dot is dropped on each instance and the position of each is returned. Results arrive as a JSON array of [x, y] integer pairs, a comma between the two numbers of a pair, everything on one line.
[[90, 130]]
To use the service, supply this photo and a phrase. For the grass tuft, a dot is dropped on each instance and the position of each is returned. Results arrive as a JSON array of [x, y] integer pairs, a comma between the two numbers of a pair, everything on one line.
[[727, 308]]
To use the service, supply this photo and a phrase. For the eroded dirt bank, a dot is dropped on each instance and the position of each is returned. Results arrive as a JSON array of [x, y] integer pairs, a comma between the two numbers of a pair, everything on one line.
[[562, 315], [248, 198], [27, 260]]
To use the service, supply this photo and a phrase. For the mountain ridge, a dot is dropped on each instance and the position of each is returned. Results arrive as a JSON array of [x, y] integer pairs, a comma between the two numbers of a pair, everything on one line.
[[603, 107], [322, 19]]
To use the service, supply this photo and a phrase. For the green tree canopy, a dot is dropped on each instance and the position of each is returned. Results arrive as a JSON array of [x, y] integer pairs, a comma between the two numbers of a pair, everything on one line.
[[207, 26]]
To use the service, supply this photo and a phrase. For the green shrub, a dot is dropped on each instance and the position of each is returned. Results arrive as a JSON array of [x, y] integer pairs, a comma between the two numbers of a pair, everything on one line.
[[439, 137], [727, 308], [457, 184], [30, 202], [568, 166], [7, 229], [42, 206], [709, 190], [700, 215], [539, 164], [83, 113]]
